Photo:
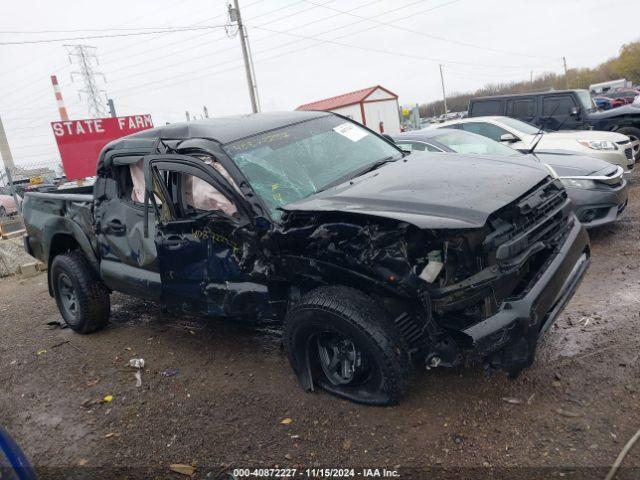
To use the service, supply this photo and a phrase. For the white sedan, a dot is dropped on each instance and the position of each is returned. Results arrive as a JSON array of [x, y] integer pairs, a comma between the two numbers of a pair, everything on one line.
[[611, 147]]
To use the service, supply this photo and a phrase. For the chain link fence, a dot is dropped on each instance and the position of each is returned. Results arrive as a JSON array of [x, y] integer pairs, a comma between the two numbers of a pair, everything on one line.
[[10, 206]]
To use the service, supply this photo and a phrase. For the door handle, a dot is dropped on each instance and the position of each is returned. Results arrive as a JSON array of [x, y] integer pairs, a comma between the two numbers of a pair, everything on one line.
[[116, 226], [173, 242]]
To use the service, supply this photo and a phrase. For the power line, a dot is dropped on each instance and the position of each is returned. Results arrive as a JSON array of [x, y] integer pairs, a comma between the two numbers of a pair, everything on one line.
[[418, 32], [54, 40], [164, 55]]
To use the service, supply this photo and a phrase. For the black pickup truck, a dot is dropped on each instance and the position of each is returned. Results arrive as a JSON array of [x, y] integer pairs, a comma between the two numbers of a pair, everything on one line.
[[374, 260], [560, 110]]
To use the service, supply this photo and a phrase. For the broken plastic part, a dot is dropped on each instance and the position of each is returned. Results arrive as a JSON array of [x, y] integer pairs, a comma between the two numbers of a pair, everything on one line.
[[434, 266]]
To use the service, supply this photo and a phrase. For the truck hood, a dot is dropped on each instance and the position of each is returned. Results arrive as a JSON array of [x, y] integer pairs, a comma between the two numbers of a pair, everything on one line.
[[431, 190], [629, 109]]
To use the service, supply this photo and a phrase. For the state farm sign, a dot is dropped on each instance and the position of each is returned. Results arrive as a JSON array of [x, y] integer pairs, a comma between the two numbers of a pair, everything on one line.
[[80, 141]]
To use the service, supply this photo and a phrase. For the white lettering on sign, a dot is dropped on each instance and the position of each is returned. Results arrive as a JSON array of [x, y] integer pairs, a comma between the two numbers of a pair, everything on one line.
[[78, 127], [135, 122]]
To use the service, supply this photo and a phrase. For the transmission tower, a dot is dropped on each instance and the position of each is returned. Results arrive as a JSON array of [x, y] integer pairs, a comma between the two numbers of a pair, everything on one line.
[[84, 56]]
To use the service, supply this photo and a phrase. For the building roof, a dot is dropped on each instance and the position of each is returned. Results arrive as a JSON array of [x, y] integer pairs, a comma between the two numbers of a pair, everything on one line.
[[343, 100]]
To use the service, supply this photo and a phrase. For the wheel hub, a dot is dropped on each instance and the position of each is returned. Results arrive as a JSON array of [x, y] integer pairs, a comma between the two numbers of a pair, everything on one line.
[[339, 358], [67, 294]]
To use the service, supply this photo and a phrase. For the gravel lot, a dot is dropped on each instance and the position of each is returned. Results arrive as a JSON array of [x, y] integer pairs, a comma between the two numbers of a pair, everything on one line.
[[215, 395]]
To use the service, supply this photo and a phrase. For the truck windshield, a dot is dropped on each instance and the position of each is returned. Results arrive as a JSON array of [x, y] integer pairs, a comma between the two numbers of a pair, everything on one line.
[[294, 162]]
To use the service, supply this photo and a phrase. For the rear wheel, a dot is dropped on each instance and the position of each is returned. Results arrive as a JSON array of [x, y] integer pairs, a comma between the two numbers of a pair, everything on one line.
[[82, 298], [338, 339], [3, 212]]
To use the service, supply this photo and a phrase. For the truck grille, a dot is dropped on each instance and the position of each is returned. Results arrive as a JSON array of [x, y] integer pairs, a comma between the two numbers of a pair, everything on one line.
[[628, 152], [535, 219]]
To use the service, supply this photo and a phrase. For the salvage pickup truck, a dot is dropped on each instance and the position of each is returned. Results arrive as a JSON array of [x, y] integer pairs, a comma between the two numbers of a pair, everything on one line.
[[375, 261]]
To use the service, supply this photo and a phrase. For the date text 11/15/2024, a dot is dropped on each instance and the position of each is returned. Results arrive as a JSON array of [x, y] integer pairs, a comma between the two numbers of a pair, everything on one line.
[[315, 473]]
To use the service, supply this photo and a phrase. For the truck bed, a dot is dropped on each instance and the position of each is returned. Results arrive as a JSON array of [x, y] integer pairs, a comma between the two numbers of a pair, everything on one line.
[[57, 213]]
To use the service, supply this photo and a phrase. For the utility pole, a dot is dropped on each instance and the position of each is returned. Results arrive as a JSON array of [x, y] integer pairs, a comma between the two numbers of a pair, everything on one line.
[[566, 74], [112, 107], [188, 117], [531, 77], [83, 55], [206, 111], [5, 151], [236, 17], [444, 96], [9, 166]]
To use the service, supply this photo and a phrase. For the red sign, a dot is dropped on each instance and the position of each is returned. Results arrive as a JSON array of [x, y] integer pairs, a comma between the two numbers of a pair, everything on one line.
[[80, 141]]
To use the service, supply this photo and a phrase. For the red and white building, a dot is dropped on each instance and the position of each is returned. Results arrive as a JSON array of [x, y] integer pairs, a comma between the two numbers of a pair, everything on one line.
[[376, 107]]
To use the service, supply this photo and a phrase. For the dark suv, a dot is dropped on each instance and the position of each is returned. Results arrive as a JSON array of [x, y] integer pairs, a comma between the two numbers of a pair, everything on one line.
[[560, 110]]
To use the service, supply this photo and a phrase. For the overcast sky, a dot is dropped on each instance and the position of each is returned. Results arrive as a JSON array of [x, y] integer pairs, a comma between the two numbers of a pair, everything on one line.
[[304, 50]]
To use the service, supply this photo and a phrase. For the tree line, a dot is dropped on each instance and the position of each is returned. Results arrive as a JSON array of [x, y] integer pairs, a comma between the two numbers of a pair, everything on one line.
[[625, 65]]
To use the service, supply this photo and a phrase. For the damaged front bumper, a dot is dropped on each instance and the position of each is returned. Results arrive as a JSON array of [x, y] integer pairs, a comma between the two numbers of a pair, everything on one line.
[[507, 340]]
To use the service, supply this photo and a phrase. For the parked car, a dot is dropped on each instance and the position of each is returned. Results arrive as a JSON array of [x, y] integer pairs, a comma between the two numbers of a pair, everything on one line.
[[8, 206], [597, 189], [625, 95], [603, 103], [561, 110], [608, 146], [371, 258]]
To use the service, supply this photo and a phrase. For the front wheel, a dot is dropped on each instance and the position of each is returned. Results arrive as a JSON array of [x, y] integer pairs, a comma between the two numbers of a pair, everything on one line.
[[338, 339], [82, 298]]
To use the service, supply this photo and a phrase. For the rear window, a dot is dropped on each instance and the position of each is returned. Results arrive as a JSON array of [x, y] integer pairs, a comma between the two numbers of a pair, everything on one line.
[[486, 107]]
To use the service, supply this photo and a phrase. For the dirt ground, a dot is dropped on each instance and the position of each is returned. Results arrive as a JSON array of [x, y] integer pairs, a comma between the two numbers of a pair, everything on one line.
[[215, 395]]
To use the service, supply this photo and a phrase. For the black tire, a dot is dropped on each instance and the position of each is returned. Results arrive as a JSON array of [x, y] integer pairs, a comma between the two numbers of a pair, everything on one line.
[[83, 300], [344, 321], [634, 134], [3, 212]]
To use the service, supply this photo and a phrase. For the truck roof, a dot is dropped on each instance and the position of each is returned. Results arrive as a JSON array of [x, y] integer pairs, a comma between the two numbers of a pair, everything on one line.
[[222, 129]]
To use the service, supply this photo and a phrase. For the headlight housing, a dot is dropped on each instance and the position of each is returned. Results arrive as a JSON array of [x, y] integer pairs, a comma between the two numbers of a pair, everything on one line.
[[598, 144], [578, 183]]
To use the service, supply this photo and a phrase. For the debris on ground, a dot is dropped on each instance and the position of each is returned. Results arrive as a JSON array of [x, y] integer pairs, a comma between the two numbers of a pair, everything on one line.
[[12, 256], [137, 363], [182, 468], [286, 421], [512, 400], [170, 372]]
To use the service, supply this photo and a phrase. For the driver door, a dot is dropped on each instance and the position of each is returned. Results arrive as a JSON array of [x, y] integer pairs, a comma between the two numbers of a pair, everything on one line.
[[199, 216]]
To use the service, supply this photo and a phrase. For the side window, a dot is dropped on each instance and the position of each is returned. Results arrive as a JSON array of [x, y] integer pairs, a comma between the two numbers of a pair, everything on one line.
[[188, 195], [406, 146], [485, 129], [486, 107], [522, 108], [202, 196], [557, 105]]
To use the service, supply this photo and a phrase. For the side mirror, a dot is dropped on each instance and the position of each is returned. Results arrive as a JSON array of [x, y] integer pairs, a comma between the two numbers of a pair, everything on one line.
[[575, 111], [508, 137]]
